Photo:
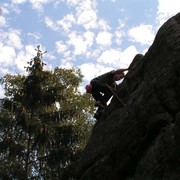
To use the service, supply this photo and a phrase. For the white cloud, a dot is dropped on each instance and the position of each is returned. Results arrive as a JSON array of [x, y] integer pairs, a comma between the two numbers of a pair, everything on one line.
[[110, 57], [89, 38], [143, 34], [4, 9], [14, 39], [50, 56], [1, 90], [18, 1], [102, 24], [119, 33], [81, 89], [167, 9], [68, 55], [86, 14], [23, 57], [8, 7], [127, 56], [34, 37], [7, 56], [90, 70], [104, 38], [67, 22], [87, 18], [10, 44], [93, 53], [38, 4], [2, 21], [13, 55], [4, 71], [119, 36], [66, 65], [50, 23], [118, 59], [11, 38], [87, 35], [78, 43], [73, 2], [21, 61], [61, 47], [85, 5], [81, 42], [30, 51], [63, 25]]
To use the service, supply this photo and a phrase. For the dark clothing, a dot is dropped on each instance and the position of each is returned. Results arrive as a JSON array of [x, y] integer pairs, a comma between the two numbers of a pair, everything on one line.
[[100, 90], [107, 78]]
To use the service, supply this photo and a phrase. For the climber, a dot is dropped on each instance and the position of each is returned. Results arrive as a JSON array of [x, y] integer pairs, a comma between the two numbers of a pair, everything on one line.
[[100, 87]]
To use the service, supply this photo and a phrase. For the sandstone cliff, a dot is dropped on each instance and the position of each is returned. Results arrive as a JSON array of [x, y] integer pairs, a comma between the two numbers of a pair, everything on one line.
[[141, 140]]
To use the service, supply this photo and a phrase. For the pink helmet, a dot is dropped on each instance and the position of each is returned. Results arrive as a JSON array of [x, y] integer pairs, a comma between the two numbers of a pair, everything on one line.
[[88, 88]]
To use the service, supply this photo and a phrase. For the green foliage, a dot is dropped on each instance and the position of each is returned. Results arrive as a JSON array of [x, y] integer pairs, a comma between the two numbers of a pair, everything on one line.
[[44, 123]]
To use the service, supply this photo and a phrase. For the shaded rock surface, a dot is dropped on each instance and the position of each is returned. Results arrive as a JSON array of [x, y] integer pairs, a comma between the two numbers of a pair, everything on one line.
[[141, 140]]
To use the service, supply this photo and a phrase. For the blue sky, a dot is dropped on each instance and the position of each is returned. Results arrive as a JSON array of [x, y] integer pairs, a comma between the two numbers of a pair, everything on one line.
[[93, 35]]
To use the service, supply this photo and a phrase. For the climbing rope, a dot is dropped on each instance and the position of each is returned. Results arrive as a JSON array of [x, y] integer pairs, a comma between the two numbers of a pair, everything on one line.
[[113, 91]]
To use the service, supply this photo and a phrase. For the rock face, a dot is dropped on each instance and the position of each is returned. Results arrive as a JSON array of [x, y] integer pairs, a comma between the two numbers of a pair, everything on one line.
[[141, 139]]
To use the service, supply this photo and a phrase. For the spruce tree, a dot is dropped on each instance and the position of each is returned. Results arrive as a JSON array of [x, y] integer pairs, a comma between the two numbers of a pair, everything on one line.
[[44, 123]]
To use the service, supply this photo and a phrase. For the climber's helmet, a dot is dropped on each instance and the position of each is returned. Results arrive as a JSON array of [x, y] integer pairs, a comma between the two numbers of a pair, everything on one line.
[[88, 88]]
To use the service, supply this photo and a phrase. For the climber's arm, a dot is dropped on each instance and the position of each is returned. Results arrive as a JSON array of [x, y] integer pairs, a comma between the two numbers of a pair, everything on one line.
[[120, 71]]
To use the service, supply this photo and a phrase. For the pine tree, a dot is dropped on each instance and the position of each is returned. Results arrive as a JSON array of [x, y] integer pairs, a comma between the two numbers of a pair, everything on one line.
[[44, 123]]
